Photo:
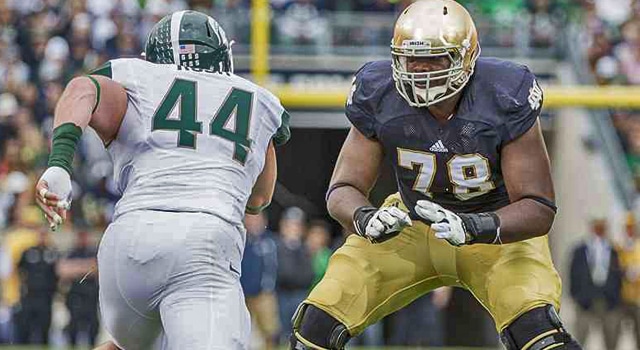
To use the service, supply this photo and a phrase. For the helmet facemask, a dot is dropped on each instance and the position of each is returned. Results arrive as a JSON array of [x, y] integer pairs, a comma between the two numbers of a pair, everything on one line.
[[218, 59], [423, 89]]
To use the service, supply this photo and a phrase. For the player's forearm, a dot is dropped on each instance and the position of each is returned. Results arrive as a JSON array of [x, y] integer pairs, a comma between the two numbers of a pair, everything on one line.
[[76, 103], [524, 219], [72, 115], [342, 204], [260, 198], [353, 178], [263, 189]]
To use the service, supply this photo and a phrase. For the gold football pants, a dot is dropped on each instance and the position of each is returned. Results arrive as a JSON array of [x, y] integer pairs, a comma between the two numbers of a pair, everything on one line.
[[365, 282]]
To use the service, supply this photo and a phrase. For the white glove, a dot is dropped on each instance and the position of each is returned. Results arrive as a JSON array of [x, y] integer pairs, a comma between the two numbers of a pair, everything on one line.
[[379, 225], [446, 224], [53, 195]]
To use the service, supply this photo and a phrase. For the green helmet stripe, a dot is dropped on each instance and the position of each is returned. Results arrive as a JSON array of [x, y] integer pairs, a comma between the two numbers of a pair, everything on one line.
[[176, 18], [216, 31]]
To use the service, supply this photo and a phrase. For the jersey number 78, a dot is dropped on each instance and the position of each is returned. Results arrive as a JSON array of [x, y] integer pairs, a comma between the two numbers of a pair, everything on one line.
[[236, 105], [470, 174]]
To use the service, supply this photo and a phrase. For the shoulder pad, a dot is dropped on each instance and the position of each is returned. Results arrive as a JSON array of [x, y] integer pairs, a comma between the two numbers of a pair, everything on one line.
[[367, 90], [120, 64], [125, 71], [516, 94]]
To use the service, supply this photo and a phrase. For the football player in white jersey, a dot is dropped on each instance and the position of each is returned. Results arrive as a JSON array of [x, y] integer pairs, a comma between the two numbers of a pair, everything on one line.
[[193, 150]]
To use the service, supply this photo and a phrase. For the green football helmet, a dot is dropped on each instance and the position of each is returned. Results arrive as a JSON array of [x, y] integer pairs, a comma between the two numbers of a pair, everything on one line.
[[190, 39]]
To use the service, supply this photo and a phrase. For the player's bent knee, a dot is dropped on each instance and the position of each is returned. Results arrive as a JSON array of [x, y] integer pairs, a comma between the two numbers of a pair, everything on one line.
[[538, 329], [314, 329]]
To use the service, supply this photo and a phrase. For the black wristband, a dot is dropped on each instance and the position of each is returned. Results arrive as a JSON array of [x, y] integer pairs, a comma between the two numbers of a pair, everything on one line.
[[361, 218], [481, 228]]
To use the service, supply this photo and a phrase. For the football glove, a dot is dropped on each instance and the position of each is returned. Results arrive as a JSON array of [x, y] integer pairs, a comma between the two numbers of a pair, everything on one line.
[[53, 195], [460, 229], [379, 225]]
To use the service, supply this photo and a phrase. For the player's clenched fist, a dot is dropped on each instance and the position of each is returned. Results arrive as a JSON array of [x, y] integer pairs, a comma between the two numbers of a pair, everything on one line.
[[459, 229], [53, 195], [379, 225]]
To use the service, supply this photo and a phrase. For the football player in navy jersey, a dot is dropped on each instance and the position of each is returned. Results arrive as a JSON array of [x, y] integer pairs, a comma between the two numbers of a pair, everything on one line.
[[475, 201]]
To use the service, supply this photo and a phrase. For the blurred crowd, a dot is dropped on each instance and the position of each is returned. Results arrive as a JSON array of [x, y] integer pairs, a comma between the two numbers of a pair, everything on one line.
[[328, 26], [613, 35], [38, 278]]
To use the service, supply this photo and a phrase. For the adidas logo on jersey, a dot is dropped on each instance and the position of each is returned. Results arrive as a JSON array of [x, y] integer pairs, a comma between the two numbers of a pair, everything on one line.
[[438, 147]]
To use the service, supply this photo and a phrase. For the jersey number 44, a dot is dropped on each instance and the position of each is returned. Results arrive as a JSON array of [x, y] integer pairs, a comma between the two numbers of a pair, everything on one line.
[[237, 105]]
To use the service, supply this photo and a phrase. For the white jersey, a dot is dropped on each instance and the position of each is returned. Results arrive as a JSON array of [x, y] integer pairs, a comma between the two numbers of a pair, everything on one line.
[[191, 140]]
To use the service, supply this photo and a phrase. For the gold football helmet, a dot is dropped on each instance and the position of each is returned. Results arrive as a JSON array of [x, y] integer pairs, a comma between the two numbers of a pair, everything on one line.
[[437, 29]]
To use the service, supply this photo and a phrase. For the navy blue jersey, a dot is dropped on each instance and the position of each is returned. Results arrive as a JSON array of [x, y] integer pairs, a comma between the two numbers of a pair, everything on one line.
[[456, 163]]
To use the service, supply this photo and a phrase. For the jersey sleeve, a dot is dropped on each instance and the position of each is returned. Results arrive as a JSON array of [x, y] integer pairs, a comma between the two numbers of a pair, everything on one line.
[[283, 134], [523, 108], [358, 108], [274, 108]]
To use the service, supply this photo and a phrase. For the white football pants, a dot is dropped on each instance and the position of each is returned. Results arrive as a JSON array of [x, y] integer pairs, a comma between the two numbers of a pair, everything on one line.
[[172, 280]]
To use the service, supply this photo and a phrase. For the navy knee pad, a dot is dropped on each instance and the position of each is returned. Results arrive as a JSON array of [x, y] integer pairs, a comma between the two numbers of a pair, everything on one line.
[[538, 329], [314, 329]]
